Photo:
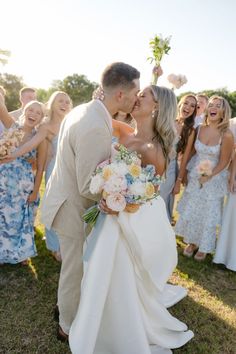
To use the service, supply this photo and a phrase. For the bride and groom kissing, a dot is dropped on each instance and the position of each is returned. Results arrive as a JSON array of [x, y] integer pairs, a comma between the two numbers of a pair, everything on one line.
[[115, 300]]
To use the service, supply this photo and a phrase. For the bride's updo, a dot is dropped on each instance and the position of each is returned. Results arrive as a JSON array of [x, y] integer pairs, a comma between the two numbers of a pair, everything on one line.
[[164, 117]]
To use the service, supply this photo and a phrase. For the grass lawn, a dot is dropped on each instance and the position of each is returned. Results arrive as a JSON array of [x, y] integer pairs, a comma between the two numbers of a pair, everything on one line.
[[28, 296]]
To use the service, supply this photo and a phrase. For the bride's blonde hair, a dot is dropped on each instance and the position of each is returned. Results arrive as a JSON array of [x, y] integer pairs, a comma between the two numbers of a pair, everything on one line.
[[164, 117]]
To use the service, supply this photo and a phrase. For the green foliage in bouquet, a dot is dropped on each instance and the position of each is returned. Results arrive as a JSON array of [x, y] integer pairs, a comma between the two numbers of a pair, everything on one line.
[[159, 47]]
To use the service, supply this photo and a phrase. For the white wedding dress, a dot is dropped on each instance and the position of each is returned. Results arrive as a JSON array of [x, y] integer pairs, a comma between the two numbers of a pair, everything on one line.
[[124, 295], [226, 244]]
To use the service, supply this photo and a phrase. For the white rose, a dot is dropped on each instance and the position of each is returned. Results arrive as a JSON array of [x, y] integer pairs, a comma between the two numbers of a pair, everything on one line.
[[96, 184], [119, 168], [137, 188], [115, 184]]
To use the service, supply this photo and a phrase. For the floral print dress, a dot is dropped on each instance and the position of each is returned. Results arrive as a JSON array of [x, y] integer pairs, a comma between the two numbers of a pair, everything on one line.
[[16, 214], [200, 209]]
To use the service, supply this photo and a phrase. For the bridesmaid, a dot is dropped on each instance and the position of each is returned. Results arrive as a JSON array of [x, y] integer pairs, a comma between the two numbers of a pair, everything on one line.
[[226, 244], [59, 105], [201, 205], [19, 189], [176, 171]]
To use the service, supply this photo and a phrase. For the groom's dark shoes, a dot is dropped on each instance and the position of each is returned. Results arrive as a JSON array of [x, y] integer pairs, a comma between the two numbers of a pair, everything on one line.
[[61, 335], [56, 314]]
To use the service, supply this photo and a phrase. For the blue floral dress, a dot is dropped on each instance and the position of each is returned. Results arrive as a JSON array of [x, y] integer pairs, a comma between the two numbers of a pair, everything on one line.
[[16, 214]]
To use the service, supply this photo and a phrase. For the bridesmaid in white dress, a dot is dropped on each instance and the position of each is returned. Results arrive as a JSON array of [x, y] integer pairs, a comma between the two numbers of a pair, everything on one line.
[[121, 308], [226, 245], [201, 205]]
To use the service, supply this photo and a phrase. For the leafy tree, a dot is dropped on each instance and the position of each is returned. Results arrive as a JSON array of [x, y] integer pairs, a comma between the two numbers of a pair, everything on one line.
[[78, 87], [4, 54], [12, 85], [43, 95]]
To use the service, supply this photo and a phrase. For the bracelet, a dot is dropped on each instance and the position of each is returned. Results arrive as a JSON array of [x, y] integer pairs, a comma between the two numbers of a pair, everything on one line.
[[179, 179]]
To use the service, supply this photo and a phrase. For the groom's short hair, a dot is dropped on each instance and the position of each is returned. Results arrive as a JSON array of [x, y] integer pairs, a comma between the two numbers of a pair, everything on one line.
[[119, 74]]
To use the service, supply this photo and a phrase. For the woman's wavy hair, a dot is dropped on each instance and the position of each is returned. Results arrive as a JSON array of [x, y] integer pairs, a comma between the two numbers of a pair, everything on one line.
[[223, 125], [164, 118], [188, 125], [51, 101]]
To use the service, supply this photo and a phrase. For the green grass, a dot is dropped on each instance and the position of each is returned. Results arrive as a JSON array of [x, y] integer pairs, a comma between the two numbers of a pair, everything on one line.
[[28, 296]]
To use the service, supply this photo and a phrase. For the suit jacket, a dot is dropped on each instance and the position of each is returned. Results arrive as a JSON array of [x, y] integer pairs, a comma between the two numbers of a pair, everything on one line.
[[84, 141], [16, 114]]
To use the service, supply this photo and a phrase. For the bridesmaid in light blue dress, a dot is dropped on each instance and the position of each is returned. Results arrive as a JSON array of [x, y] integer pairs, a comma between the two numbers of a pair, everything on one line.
[[19, 190], [59, 105], [51, 236]]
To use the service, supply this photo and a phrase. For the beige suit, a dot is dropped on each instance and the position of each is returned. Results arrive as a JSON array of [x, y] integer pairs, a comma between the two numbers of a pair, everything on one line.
[[84, 141], [16, 114]]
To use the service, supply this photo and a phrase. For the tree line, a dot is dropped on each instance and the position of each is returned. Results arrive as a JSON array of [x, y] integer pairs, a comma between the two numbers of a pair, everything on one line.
[[80, 89]]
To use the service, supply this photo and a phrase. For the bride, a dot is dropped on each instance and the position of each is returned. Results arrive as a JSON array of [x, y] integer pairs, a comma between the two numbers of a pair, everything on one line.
[[129, 257]]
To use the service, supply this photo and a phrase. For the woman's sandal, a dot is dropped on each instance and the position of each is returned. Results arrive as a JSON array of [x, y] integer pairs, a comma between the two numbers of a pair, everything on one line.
[[200, 256], [25, 262], [189, 250]]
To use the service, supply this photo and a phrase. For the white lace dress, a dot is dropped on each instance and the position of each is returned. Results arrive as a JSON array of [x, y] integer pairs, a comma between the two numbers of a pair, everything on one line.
[[200, 209]]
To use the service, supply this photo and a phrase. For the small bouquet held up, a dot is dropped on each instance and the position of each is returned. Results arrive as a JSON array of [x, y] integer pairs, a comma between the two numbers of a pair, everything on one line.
[[159, 47], [122, 182], [204, 169], [177, 80], [10, 140]]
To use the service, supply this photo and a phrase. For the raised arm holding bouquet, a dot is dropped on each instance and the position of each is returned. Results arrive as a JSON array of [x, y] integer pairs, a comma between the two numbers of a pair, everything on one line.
[[159, 46]]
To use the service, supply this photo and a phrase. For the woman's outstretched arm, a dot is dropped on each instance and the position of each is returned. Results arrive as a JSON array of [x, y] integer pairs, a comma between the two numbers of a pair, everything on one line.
[[32, 143], [5, 117]]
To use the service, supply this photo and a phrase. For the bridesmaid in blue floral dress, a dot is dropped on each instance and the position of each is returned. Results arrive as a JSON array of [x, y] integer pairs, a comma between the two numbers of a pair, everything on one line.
[[19, 190], [58, 106]]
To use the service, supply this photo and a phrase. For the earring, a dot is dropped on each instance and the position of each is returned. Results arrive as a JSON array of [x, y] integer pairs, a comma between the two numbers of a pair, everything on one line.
[[153, 114]]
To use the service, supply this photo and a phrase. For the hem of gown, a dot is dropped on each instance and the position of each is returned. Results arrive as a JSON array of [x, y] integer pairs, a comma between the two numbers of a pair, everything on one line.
[[4, 261], [228, 266]]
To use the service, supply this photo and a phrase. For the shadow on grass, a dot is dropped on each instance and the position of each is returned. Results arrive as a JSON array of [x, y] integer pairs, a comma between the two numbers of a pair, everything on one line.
[[28, 297], [212, 335], [216, 279]]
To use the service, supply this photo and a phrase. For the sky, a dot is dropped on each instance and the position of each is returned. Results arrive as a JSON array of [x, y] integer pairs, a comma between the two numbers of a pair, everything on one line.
[[51, 39]]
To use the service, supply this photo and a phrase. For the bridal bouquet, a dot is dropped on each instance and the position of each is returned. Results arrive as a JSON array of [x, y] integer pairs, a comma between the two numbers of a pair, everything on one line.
[[177, 80], [159, 47], [9, 141], [122, 182], [204, 168]]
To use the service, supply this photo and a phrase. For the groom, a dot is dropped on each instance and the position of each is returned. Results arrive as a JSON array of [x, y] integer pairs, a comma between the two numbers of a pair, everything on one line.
[[84, 141]]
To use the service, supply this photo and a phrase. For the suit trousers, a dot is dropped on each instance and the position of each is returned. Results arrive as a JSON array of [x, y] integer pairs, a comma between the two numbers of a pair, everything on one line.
[[70, 278]]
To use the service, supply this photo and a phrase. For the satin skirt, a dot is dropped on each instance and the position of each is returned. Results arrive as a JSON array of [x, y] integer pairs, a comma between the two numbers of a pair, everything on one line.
[[124, 294]]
